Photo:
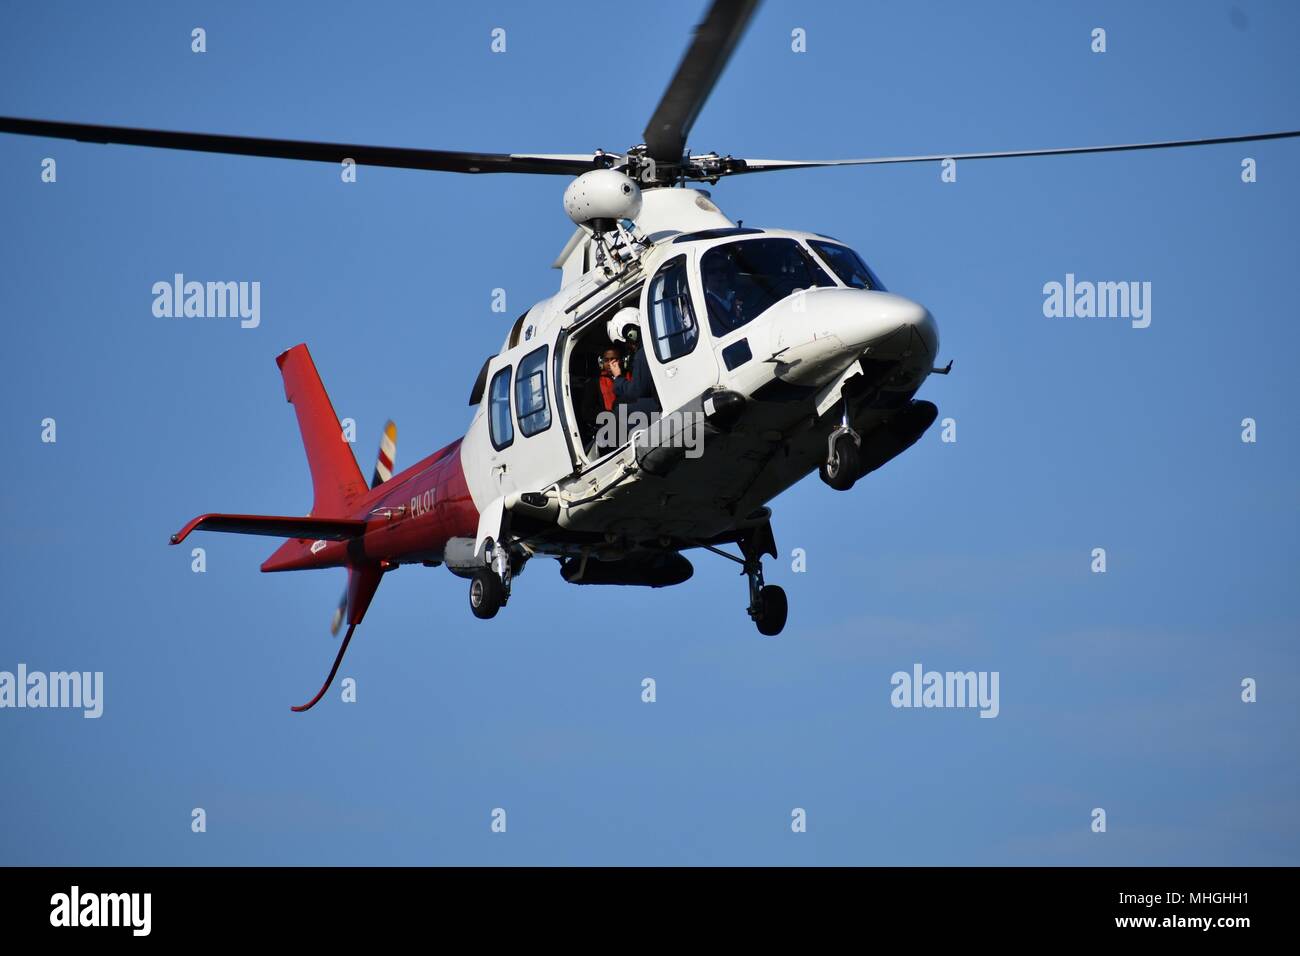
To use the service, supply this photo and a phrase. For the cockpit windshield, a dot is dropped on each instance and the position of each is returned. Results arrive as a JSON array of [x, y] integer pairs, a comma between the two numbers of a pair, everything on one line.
[[744, 279], [848, 265]]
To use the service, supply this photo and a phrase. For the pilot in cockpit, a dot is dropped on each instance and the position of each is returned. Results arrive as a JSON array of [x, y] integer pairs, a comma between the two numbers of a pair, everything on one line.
[[722, 301]]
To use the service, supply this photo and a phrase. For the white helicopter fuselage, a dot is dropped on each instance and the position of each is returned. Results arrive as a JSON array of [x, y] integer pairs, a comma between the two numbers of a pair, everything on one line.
[[760, 355], [784, 375]]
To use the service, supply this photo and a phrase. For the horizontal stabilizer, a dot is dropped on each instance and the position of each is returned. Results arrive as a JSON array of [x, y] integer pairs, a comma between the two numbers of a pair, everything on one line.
[[317, 529]]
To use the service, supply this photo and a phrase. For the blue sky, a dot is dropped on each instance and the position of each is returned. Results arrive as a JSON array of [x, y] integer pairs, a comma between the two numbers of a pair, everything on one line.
[[1118, 690]]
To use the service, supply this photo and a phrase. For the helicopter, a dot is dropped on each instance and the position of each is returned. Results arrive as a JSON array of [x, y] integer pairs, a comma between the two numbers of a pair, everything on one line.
[[741, 361]]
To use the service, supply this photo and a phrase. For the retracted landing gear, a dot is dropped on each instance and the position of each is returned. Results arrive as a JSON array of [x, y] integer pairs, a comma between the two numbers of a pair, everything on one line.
[[489, 588]]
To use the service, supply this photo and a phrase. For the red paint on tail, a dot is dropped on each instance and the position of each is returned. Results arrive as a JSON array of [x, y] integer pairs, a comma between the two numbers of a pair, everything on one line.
[[336, 479]]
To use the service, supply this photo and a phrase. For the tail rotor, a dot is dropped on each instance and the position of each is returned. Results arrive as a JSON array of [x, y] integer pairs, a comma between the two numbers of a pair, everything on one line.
[[385, 462]]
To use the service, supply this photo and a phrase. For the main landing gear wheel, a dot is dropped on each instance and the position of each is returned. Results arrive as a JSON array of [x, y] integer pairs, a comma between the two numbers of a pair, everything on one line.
[[840, 470], [768, 607], [772, 610], [486, 593], [489, 588]]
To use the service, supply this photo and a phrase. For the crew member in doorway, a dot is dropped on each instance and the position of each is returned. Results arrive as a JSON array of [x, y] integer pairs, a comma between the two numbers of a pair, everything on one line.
[[637, 391], [599, 396]]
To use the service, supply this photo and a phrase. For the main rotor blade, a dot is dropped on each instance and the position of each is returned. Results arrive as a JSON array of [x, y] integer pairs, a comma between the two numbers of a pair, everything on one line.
[[399, 157], [736, 166], [715, 38]]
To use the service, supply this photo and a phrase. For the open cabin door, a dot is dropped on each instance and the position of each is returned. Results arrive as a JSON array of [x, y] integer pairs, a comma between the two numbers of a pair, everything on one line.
[[578, 351]]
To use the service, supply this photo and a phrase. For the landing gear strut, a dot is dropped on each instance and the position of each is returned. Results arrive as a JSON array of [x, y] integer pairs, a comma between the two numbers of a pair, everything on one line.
[[489, 588], [768, 607], [843, 457]]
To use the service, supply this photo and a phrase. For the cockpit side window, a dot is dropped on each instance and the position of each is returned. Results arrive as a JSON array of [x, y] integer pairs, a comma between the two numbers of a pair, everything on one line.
[[500, 428], [848, 265], [530, 394], [672, 319], [744, 279]]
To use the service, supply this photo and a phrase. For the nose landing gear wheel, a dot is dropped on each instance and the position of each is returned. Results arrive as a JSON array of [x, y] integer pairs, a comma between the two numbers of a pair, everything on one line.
[[769, 616], [840, 470], [486, 593]]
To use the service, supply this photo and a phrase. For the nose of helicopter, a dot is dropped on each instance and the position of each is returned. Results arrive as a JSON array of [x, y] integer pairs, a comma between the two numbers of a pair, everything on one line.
[[890, 326], [826, 330]]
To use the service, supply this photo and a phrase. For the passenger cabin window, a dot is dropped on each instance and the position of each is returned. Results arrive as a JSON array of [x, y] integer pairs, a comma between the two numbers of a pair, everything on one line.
[[744, 279], [848, 265], [672, 319], [501, 431], [530, 393]]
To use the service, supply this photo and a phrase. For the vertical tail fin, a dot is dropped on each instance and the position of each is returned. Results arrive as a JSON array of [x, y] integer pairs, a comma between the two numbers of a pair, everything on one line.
[[336, 479]]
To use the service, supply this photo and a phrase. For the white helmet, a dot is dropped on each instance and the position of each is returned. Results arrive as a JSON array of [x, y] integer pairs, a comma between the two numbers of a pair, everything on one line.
[[617, 327]]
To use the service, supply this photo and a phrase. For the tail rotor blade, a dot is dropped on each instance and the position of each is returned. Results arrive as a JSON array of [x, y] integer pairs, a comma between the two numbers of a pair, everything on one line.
[[387, 457], [337, 621]]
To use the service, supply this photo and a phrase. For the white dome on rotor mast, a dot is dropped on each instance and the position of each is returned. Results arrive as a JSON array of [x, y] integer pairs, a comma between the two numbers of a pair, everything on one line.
[[663, 212], [601, 198]]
